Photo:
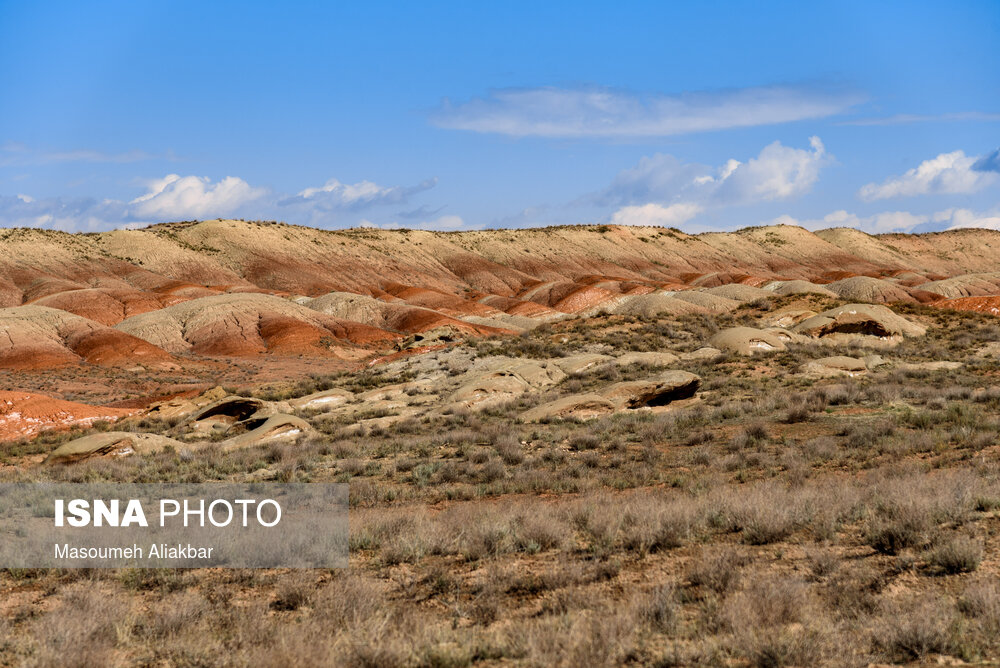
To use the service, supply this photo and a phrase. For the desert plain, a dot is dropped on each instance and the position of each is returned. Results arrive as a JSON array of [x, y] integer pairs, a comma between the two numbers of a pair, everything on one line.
[[577, 446]]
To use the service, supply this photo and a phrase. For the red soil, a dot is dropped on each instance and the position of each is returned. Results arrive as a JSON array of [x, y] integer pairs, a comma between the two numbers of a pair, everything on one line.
[[584, 298], [109, 347], [439, 301], [989, 305], [106, 306], [22, 415]]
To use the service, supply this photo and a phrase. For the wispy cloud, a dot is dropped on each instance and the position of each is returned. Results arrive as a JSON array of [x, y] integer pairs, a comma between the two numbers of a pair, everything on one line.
[[422, 212], [18, 154], [948, 173], [905, 119], [606, 112]]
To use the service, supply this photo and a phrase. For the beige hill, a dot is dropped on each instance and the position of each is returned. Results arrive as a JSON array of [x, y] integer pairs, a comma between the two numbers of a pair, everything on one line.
[[33, 337], [228, 254], [246, 324]]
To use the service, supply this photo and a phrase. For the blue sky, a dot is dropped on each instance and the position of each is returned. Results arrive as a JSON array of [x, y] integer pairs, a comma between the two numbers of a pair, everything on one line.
[[704, 116]]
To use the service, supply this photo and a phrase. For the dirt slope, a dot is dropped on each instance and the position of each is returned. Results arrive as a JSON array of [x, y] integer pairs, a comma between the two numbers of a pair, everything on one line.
[[34, 337], [249, 324], [234, 288], [228, 255], [22, 414]]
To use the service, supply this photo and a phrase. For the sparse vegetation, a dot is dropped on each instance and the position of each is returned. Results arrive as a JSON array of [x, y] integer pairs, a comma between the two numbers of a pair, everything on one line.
[[779, 519]]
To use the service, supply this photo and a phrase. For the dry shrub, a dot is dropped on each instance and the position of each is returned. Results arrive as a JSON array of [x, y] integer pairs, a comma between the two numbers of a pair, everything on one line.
[[750, 437], [891, 535], [293, 592], [769, 601], [772, 648], [83, 630], [350, 600], [822, 562], [763, 514], [564, 601], [487, 536], [581, 638], [980, 605], [915, 629], [538, 532], [820, 449], [652, 524], [956, 555], [509, 449], [582, 442], [659, 609], [718, 569], [181, 614], [981, 600], [855, 593]]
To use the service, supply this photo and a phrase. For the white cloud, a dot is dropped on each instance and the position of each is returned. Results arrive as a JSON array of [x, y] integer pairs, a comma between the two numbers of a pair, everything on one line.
[[362, 191], [655, 215], [605, 112], [444, 223], [779, 172], [82, 214], [334, 195], [177, 197], [963, 218], [880, 223], [897, 221], [657, 177], [662, 190], [948, 173]]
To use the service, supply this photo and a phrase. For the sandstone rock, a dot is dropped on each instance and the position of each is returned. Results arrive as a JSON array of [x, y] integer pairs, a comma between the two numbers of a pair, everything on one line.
[[836, 366], [798, 287], [579, 406], [276, 428], [863, 323], [647, 359], [496, 381], [661, 390], [787, 318], [111, 444], [322, 400], [940, 365], [747, 341], [182, 407], [701, 354], [581, 363]]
